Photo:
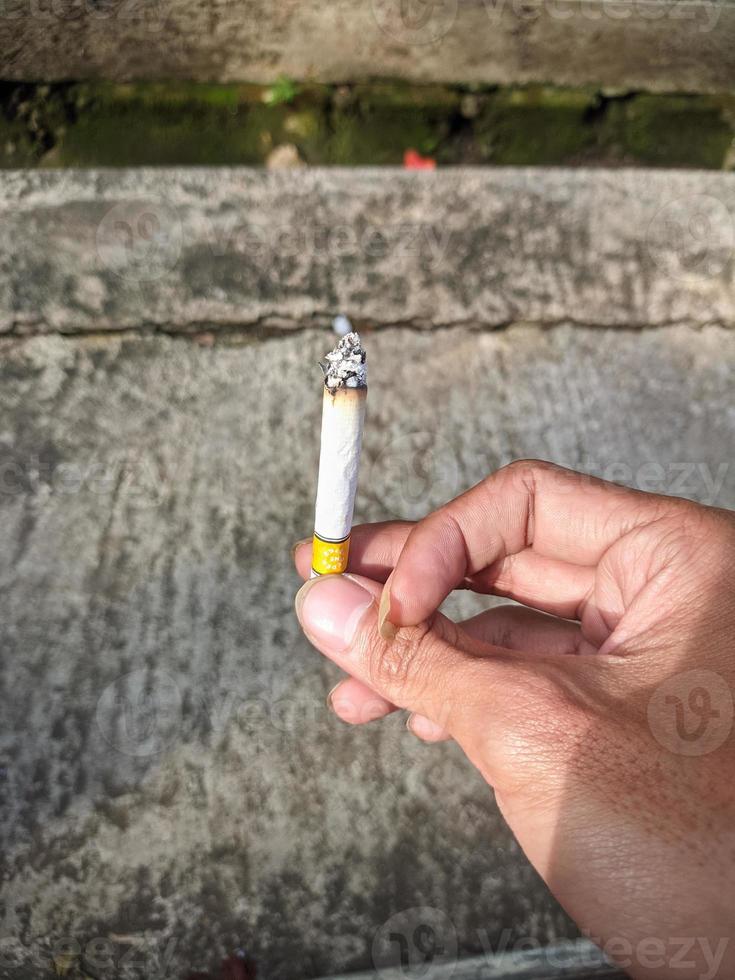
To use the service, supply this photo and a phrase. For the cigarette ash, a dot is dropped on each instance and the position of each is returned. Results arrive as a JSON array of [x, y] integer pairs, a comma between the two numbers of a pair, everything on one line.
[[345, 366]]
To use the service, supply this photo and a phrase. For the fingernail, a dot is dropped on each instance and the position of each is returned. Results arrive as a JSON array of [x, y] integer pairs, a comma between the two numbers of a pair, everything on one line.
[[386, 629], [424, 728], [330, 696], [330, 609], [295, 547]]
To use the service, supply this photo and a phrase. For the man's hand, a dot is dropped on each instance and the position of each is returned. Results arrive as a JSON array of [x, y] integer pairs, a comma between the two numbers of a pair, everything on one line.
[[600, 710]]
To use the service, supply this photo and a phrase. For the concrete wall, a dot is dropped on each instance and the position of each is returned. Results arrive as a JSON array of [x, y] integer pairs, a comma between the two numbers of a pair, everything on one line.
[[242, 249], [661, 45], [172, 785]]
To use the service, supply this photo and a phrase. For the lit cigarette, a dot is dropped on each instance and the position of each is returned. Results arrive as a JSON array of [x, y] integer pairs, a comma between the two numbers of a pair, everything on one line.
[[343, 415]]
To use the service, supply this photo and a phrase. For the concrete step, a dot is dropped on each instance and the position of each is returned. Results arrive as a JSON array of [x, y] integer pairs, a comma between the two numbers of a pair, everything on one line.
[[683, 46], [172, 785], [235, 248], [170, 773]]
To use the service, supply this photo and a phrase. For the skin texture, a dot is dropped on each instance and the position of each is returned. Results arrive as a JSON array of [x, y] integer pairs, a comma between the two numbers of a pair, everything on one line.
[[600, 710]]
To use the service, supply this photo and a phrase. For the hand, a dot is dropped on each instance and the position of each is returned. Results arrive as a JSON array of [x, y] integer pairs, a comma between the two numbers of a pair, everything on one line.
[[600, 710]]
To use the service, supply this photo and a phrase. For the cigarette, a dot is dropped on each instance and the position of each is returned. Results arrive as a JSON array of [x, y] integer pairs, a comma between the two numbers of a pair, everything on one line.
[[343, 416]]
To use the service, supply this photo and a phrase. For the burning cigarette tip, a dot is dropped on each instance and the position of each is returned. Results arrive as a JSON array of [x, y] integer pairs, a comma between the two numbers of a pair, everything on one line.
[[346, 365]]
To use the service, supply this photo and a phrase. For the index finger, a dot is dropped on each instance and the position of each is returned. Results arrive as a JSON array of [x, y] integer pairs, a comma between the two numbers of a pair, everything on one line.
[[557, 513]]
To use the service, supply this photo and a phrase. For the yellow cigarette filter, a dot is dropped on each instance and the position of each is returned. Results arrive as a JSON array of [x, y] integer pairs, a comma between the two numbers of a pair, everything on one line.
[[329, 557], [343, 416]]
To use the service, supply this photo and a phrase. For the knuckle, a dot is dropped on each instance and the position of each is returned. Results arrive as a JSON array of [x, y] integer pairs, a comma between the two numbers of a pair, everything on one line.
[[683, 534], [406, 660], [525, 476], [526, 464], [523, 470]]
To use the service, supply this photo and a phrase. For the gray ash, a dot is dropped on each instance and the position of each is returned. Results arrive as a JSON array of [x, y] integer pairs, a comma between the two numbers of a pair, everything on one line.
[[345, 366]]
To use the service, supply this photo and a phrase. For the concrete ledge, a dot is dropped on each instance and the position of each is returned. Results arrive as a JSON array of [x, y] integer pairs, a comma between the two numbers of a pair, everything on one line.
[[236, 248], [662, 45], [574, 960], [171, 783]]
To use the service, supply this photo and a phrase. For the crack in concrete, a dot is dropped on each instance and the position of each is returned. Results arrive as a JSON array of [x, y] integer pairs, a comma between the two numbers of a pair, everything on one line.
[[275, 328]]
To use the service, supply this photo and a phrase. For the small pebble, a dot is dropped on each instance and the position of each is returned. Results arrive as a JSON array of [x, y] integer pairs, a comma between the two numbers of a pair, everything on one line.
[[283, 157]]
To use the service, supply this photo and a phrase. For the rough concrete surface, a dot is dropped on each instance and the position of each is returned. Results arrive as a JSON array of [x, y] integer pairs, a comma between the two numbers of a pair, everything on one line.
[[221, 248], [660, 45], [171, 783]]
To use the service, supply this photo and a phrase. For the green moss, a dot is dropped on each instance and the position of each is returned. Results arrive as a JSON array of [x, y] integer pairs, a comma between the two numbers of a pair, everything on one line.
[[402, 96], [129, 125], [671, 130], [16, 147], [380, 139], [157, 95], [118, 139], [376, 124], [283, 91], [535, 125], [167, 123], [31, 118]]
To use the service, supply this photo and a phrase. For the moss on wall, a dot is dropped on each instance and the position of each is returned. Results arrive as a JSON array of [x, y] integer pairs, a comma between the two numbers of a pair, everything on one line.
[[376, 124], [129, 125], [536, 125], [103, 124], [693, 131]]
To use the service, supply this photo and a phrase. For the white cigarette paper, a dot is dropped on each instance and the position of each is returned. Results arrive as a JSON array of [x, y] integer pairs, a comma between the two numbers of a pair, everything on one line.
[[343, 416]]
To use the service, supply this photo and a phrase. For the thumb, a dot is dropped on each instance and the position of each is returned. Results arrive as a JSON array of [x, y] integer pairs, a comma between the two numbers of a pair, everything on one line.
[[432, 669]]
